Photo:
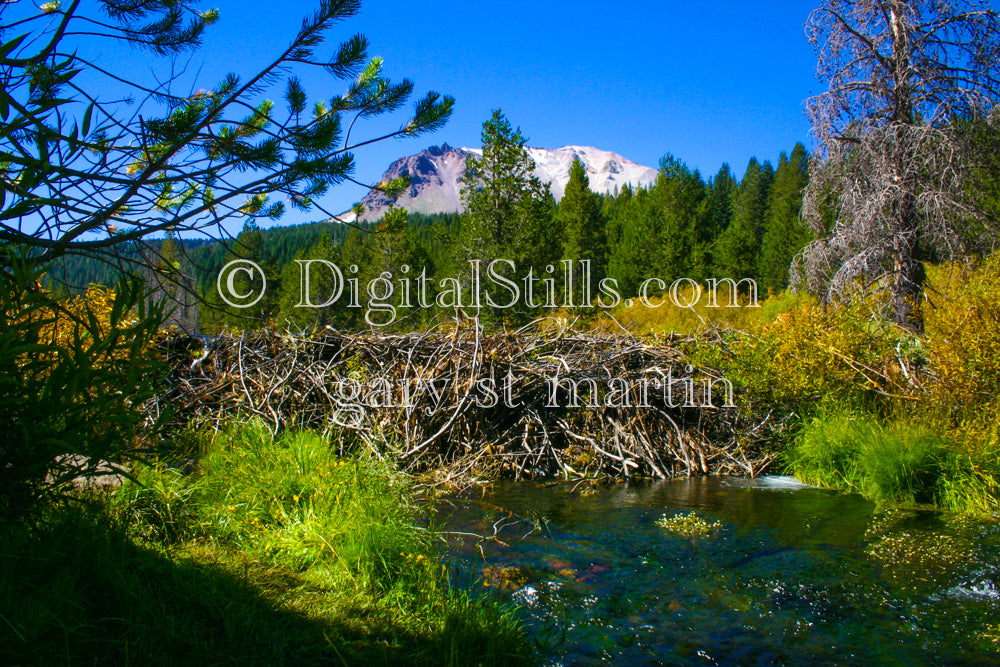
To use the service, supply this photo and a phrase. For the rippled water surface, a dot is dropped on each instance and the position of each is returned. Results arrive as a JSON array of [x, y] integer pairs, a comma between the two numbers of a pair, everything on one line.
[[794, 574]]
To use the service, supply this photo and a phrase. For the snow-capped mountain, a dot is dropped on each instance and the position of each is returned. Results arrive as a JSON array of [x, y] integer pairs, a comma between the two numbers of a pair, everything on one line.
[[435, 172], [605, 170]]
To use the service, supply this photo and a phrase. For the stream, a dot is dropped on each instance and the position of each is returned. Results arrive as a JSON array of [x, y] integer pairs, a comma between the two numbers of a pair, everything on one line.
[[780, 573]]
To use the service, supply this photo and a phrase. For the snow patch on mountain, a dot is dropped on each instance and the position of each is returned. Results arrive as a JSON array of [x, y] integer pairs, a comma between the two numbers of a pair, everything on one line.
[[607, 171]]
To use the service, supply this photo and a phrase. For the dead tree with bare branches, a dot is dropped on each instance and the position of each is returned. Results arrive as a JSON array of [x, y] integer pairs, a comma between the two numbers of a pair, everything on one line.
[[890, 181]]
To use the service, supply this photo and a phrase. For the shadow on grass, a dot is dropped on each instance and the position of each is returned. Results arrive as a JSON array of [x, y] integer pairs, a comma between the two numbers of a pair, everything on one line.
[[77, 591]]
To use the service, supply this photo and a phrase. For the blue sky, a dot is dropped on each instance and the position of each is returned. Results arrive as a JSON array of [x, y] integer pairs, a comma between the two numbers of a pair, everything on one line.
[[707, 83]]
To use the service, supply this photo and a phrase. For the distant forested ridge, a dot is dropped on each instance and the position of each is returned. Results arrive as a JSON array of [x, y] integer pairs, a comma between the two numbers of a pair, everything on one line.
[[730, 225]]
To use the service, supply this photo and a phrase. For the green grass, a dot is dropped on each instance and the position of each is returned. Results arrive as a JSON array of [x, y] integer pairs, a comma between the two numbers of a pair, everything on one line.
[[896, 463], [971, 480], [274, 552]]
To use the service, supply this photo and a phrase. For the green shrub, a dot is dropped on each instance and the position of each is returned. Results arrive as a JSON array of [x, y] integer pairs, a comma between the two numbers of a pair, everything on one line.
[[898, 463], [156, 505], [293, 502], [73, 378], [809, 357], [971, 479], [828, 452], [903, 463]]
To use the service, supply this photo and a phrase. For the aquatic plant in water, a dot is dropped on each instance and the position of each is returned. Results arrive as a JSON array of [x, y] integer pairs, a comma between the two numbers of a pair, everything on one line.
[[689, 525], [913, 555]]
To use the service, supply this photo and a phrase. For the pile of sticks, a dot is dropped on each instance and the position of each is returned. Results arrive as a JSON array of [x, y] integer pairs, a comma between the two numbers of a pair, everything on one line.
[[542, 401]]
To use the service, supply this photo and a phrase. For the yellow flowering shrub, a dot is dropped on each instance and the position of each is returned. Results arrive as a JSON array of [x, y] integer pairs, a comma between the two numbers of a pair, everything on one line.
[[963, 327], [80, 320], [807, 353]]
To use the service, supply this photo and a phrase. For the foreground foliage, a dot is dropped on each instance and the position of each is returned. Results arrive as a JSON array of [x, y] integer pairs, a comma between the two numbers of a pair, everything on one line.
[[97, 170], [73, 378], [273, 551]]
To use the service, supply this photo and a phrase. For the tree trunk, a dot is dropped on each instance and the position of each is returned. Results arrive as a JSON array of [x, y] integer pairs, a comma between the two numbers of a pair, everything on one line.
[[908, 268]]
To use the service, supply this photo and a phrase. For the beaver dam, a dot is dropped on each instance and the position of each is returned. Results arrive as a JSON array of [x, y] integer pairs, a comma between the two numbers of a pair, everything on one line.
[[545, 400]]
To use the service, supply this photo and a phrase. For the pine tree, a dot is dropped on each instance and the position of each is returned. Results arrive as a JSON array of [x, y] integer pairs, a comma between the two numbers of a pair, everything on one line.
[[395, 246], [785, 234], [678, 196], [355, 258], [580, 217], [137, 163], [633, 228], [509, 211], [322, 285], [655, 233], [737, 250], [721, 192], [169, 277]]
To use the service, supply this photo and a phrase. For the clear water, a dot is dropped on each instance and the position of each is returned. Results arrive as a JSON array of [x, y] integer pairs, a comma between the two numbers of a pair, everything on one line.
[[787, 579]]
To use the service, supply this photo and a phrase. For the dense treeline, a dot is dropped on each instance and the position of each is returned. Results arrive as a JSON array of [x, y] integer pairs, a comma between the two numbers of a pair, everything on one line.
[[407, 269], [203, 258], [683, 226]]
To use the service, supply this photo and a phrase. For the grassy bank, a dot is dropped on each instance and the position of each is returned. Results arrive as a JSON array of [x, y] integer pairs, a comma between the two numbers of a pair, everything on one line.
[[269, 551]]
